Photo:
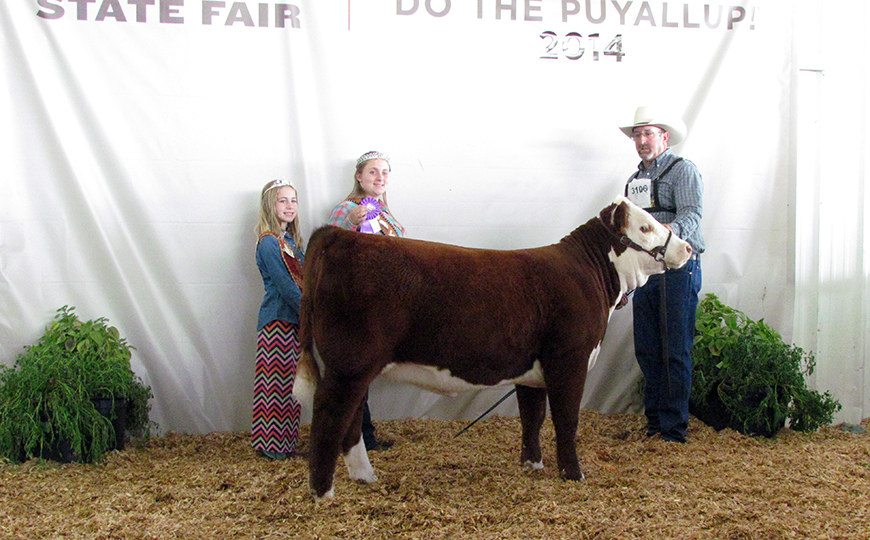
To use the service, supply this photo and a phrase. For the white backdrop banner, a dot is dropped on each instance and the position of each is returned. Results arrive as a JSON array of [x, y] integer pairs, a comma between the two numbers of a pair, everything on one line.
[[136, 135]]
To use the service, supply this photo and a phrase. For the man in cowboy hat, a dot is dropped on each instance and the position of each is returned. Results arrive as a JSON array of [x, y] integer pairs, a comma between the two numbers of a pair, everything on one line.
[[671, 189]]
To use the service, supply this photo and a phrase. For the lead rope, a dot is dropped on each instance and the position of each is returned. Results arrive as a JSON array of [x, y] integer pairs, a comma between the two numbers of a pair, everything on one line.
[[497, 403], [663, 323]]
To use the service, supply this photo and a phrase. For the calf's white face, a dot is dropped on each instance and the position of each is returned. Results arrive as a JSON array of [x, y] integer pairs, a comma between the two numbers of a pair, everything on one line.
[[633, 266]]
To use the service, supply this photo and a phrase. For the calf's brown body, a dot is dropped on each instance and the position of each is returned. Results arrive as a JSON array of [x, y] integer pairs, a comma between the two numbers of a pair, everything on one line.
[[531, 317]]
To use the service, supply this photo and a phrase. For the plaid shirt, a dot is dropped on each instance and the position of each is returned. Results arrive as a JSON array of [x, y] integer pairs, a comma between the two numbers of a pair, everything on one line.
[[682, 188], [339, 218]]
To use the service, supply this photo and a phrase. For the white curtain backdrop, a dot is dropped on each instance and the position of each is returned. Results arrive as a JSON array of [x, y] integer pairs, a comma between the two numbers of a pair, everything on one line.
[[135, 138], [831, 200]]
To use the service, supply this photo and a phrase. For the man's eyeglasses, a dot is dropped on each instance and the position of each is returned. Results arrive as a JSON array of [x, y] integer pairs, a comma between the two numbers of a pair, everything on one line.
[[647, 133]]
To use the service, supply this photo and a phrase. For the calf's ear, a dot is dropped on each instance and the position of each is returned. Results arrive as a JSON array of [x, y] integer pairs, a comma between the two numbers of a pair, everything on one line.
[[615, 217]]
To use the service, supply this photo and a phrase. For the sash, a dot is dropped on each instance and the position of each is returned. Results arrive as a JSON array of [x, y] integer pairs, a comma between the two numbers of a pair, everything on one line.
[[294, 267]]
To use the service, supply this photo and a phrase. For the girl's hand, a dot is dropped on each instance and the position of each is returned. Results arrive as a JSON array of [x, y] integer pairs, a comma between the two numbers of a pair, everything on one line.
[[357, 214]]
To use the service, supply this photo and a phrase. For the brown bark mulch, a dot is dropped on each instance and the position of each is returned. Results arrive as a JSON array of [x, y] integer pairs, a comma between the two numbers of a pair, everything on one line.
[[720, 485]]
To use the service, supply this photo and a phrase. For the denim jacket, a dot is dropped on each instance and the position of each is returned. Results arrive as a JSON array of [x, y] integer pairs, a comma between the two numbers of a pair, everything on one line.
[[281, 301]]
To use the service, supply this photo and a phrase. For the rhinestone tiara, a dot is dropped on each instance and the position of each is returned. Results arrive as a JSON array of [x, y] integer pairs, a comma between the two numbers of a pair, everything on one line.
[[374, 154], [279, 183]]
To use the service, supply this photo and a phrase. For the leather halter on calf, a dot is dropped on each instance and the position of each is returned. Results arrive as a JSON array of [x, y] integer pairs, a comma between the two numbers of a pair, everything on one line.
[[657, 253]]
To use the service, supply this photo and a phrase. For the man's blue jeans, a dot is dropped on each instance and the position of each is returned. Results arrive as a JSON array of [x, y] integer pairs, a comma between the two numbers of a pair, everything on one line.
[[667, 405]]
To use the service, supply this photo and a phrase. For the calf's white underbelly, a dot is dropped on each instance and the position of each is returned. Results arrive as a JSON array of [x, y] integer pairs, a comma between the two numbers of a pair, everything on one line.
[[442, 381]]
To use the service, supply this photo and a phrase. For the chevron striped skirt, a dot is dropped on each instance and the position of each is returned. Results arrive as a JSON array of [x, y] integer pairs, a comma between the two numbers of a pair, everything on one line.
[[276, 412]]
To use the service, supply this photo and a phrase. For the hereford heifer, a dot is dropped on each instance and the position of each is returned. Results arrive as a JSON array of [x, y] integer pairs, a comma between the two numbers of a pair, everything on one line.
[[450, 319]]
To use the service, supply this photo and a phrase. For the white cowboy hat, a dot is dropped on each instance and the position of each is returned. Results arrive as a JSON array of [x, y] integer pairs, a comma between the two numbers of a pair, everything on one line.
[[653, 116]]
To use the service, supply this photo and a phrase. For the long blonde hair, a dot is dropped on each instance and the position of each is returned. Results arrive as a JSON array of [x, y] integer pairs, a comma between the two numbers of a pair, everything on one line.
[[269, 221]]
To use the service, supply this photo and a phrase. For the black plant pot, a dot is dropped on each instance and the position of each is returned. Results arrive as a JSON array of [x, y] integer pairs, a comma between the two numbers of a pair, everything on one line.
[[715, 414], [116, 411], [113, 409]]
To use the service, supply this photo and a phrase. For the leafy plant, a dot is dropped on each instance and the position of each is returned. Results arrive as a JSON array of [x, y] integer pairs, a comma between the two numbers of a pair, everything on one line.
[[745, 377], [46, 397]]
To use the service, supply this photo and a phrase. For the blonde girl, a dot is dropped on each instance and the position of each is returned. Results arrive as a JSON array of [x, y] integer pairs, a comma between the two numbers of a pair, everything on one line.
[[280, 254]]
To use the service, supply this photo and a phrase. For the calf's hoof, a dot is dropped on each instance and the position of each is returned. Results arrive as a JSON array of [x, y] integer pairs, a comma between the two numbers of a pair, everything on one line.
[[576, 476], [320, 498], [367, 478], [359, 467]]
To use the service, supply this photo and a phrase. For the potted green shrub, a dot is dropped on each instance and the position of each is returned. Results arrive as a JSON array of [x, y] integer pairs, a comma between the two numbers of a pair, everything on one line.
[[53, 399], [746, 378]]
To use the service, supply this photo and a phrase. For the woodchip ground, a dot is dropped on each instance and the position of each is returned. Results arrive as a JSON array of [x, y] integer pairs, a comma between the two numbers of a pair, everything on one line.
[[720, 485]]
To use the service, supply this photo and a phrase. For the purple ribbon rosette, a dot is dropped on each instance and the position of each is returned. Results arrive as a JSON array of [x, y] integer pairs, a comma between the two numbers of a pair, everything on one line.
[[374, 210]]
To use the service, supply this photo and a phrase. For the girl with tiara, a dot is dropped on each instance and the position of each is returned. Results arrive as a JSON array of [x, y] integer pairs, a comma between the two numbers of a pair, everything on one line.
[[280, 255], [365, 208]]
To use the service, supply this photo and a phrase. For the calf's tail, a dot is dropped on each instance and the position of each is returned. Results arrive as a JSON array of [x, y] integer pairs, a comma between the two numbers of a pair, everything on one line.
[[307, 379], [307, 371]]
